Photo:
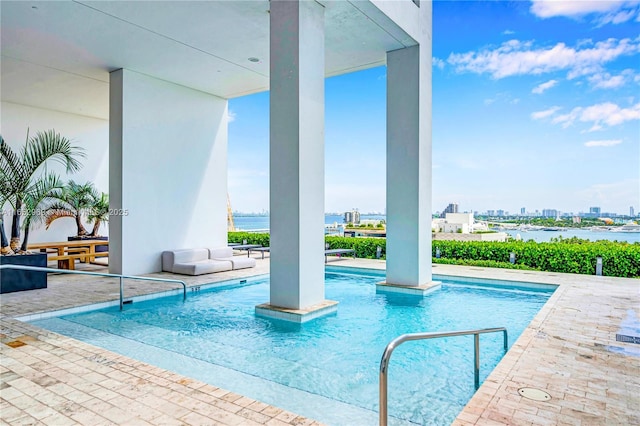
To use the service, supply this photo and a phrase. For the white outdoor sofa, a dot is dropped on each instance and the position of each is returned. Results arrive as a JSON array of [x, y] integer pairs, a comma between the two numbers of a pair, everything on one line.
[[203, 261], [225, 254]]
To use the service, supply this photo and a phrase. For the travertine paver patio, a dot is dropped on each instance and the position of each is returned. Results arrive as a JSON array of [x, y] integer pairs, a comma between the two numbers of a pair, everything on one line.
[[569, 350]]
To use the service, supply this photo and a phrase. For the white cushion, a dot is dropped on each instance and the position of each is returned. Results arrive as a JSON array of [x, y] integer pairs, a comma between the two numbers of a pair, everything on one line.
[[203, 267], [190, 255], [192, 262], [226, 253], [241, 262], [220, 252]]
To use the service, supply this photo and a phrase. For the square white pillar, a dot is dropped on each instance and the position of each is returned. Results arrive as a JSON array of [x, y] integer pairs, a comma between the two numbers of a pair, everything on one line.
[[409, 166], [297, 154], [167, 171]]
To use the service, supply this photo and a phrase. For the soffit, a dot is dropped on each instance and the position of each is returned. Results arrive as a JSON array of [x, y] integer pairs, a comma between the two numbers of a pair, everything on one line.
[[58, 55]]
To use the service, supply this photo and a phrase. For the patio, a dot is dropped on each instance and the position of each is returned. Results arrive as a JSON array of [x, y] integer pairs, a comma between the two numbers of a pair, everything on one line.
[[569, 350]]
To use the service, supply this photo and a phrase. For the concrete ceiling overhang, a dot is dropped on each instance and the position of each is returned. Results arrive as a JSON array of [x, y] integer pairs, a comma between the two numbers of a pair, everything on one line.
[[58, 54]]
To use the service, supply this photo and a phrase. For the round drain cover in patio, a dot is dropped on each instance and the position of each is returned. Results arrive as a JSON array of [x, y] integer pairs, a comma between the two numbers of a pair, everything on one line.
[[535, 394]]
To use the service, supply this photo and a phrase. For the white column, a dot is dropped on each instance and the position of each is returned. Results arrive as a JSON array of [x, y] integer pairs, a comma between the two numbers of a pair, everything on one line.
[[297, 153], [409, 165], [167, 171]]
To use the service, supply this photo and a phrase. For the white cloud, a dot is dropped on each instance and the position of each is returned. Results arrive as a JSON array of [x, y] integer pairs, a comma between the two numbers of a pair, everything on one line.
[[508, 32], [438, 63], [600, 115], [544, 86], [502, 97], [592, 144], [539, 115], [605, 80], [516, 57], [603, 12], [231, 116]]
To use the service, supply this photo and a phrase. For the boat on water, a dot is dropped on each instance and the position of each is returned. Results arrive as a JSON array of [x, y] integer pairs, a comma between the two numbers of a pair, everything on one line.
[[628, 227], [552, 228]]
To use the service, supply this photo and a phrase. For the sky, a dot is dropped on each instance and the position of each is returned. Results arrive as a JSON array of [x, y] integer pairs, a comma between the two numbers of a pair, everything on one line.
[[536, 104]]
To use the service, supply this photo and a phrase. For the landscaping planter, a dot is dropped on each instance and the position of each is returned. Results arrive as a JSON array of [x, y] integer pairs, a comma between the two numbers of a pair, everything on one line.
[[13, 280]]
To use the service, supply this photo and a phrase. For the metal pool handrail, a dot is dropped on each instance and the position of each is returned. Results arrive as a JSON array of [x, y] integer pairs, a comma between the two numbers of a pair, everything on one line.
[[99, 274], [386, 357]]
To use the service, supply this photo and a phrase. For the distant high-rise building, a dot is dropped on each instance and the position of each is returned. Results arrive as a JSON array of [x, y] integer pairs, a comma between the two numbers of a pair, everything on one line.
[[594, 211], [500, 212], [523, 211], [549, 213], [451, 208], [491, 213], [352, 217], [632, 212]]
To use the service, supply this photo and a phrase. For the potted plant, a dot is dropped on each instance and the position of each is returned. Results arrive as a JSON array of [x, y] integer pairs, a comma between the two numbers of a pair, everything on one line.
[[27, 186], [71, 200], [75, 200], [98, 212]]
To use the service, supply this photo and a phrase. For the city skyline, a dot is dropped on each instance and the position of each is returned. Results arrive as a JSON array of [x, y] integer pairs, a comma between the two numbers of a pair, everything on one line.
[[630, 212], [534, 104]]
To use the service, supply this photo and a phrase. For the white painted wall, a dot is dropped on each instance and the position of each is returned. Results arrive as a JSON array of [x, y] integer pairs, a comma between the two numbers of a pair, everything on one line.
[[90, 133], [168, 170], [460, 218]]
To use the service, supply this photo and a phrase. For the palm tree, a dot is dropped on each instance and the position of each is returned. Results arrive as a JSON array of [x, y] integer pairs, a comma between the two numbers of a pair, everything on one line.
[[99, 212], [72, 200], [35, 202], [4, 243], [24, 175]]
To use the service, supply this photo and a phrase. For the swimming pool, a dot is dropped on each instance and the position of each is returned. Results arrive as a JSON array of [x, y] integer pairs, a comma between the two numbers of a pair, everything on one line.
[[325, 369]]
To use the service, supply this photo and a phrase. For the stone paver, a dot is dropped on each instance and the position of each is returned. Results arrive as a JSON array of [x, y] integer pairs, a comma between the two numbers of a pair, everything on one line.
[[569, 350]]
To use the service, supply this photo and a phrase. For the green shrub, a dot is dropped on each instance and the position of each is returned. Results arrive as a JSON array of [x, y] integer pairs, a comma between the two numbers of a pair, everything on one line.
[[576, 257], [251, 237], [482, 263], [619, 259], [364, 247]]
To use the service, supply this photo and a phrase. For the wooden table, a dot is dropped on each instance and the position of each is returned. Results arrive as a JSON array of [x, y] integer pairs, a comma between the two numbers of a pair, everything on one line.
[[67, 251]]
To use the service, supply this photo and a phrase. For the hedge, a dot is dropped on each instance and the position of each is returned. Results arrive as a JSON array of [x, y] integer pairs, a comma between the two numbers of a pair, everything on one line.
[[364, 247], [619, 259], [251, 237]]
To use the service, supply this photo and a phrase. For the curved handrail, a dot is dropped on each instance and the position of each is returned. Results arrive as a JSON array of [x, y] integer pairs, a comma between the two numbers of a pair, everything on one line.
[[99, 274], [386, 357]]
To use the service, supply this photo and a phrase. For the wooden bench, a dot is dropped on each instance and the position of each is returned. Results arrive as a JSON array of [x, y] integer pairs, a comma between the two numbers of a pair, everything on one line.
[[67, 251], [68, 261], [338, 252]]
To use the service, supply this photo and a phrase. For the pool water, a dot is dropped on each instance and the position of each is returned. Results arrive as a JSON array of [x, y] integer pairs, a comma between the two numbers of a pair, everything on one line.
[[325, 369]]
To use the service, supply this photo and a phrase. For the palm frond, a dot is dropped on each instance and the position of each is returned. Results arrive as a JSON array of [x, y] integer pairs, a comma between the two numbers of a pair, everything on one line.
[[51, 145], [52, 215], [12, 171], [100, 208], [35, 199]]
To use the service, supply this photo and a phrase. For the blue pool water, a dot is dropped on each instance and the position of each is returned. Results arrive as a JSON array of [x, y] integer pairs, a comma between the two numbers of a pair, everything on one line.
[[325, 369]]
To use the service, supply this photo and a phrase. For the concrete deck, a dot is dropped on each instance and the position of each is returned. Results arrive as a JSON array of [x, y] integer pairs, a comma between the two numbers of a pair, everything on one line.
[[569, 350]]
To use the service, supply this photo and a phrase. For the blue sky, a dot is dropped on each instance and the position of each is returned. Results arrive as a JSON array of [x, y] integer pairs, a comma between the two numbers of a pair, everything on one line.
[[535, 104]]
